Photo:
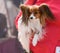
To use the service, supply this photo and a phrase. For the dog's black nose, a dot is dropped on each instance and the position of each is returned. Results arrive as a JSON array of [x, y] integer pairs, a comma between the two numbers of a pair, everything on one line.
[[31, 17]]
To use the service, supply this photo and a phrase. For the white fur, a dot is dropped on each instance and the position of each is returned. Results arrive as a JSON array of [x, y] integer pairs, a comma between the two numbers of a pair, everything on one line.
[[37, 27], [24, 32]]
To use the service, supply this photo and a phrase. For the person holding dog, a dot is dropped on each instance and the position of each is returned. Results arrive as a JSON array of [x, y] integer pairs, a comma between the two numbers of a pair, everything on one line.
[[51, 41]]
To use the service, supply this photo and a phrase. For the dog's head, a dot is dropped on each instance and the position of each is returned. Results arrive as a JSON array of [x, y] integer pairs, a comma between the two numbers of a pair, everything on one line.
[[41, 12]]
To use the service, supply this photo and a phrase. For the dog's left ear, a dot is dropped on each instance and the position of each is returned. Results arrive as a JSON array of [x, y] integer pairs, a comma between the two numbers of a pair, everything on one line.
[[45, 13]]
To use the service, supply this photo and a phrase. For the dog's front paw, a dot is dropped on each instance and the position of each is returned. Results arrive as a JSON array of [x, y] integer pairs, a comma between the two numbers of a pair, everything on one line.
[[35, 40]]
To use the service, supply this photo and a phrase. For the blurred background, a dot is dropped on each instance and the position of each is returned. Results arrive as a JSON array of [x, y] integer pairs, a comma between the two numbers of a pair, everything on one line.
[[8, 12]]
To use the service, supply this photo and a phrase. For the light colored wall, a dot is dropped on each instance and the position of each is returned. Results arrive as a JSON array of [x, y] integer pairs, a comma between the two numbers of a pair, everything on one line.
[[3, 10], [2, 7]]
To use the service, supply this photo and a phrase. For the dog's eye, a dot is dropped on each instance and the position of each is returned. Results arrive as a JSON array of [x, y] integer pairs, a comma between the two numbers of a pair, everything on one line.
[[35, 12], [29, 12]]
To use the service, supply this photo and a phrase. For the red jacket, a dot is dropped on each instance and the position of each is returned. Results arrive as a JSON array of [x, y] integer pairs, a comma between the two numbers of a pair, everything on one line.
[[52, 38]]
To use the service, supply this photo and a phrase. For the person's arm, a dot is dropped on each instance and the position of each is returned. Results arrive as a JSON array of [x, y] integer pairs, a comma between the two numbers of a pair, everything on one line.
[[28, 2]]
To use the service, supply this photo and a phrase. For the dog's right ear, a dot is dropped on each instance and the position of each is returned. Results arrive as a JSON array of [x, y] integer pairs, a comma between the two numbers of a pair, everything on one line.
[[22, 7]]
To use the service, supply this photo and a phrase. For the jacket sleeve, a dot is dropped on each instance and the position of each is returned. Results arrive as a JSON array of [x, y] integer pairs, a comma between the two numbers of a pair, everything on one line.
[[28, 2]]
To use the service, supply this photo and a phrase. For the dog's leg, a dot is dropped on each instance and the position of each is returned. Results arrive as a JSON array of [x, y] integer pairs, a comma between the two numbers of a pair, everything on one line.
[[35, 40]]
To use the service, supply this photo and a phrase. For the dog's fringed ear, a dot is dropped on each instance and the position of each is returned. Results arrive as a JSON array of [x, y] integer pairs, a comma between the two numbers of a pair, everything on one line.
[[45, 13], [24, 10]]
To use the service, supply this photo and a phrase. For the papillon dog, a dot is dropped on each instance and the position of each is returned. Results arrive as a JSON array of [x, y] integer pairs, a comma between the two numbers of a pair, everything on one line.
[[33, 20]]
